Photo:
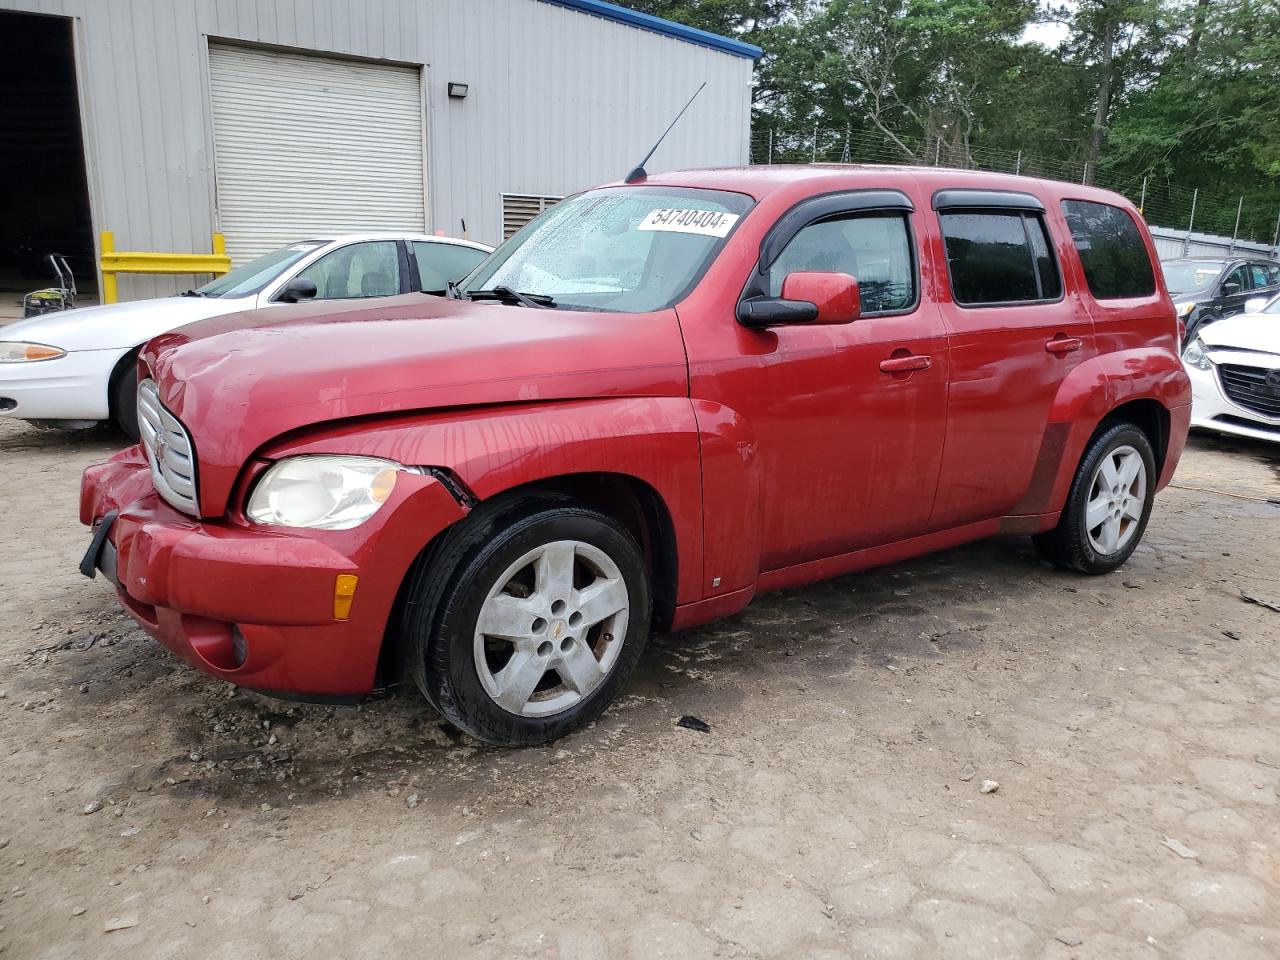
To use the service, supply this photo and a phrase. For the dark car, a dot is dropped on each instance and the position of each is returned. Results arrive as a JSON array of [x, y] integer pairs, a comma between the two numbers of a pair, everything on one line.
[[1205, 289]]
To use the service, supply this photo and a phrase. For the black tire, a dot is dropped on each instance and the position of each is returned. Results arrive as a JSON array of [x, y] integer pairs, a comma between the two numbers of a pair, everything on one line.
[[1068, 545], [123, 399], [450, 585]]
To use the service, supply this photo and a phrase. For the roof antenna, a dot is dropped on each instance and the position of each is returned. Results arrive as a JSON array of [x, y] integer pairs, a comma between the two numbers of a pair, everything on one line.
[[639, 173]]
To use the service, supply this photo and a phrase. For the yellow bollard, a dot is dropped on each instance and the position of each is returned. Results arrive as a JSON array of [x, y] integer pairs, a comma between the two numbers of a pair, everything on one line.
[[110, 291]]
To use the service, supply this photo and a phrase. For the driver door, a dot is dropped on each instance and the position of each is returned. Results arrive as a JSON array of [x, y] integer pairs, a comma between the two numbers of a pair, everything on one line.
[[1235, 289], [849, 444]]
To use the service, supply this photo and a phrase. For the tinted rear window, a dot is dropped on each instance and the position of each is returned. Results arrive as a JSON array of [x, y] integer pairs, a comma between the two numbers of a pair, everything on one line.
[[999, 258], [1110, 245]]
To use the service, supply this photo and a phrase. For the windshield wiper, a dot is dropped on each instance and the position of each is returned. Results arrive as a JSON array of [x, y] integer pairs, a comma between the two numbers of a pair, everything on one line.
[[502, 292], [194, 293]]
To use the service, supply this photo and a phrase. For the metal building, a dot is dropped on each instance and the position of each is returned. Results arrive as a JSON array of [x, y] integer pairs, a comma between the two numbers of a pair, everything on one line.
[[165, 121]]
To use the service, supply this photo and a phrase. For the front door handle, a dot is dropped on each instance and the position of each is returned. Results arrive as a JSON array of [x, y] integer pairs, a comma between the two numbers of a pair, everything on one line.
[[1062, 345], [906, 364]]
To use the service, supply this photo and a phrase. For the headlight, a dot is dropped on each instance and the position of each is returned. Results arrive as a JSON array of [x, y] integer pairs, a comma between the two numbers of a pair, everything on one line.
[[1195, 356], [325, 493], [16, 352], [1184, 309]]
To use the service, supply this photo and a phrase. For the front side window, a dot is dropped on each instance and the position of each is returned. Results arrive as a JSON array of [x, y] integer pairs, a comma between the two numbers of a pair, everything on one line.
[[440, 264], [1240, 277], [368, 269], [620, 249], [1115, 260], [997, 257], [874, 249], [253, 276]]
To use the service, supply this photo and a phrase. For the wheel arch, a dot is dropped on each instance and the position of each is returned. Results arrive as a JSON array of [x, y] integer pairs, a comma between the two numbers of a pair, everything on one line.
[[124, 365], [1147, 387], [1148, 415], [631, 501], [640, 508]]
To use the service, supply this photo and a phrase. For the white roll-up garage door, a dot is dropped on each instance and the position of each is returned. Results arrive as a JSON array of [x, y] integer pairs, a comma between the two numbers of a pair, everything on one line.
[[310, 146]]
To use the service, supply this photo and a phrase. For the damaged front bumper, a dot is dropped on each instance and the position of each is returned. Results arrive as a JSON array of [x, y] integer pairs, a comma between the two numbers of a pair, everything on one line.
[[255, 605]]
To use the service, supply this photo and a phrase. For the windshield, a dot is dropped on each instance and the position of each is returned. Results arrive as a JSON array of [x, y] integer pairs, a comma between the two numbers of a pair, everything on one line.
[[256, 274], [623, 249], [1190, 276], [1273, 306]]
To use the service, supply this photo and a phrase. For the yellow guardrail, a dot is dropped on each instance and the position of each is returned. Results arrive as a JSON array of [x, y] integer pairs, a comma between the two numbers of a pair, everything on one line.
[[133, 261]]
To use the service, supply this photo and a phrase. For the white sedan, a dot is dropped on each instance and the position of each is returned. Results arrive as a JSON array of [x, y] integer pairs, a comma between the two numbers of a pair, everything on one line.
[[76, 368], [1234, 366]]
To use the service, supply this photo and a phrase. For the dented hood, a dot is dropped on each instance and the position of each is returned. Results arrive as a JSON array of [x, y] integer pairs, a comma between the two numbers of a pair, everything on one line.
[[242, 380]]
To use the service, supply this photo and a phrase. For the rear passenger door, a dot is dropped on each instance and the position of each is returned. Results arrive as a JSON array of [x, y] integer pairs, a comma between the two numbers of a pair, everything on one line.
[[1266, 279], [1013, 337]]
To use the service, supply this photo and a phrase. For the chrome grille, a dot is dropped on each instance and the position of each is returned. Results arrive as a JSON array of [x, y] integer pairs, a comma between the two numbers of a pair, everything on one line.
[[1254, 388], [169, 450]]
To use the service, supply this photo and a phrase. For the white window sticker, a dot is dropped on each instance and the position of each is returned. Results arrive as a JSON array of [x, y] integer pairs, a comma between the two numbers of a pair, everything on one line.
[[708, 223]]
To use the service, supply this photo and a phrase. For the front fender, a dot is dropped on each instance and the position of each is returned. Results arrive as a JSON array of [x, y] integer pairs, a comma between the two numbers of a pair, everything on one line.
[[494, 449], [1086, 397]]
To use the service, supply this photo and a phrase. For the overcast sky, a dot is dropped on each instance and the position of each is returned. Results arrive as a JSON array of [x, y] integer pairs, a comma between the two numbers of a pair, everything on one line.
[[1049, 34], [1046, 34]]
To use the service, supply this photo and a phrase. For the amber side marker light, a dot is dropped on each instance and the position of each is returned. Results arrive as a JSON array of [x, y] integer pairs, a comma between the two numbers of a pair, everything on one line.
[[344, 594], [28, 352]]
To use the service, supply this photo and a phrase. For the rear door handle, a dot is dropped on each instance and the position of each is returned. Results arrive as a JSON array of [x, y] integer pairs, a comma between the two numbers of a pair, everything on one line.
[[1062, 345], [906, 364]]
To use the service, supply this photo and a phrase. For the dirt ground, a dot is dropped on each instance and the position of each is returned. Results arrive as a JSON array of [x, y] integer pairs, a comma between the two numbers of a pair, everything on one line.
[[834, 810]]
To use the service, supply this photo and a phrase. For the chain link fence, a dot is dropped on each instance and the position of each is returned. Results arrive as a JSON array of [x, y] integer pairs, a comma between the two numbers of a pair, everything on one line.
[[1167, 205]]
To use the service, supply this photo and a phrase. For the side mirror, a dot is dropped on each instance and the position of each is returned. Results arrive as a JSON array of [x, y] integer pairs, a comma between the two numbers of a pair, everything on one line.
[[297, 289], [1230, 288], [808, 298], [1255, 304]]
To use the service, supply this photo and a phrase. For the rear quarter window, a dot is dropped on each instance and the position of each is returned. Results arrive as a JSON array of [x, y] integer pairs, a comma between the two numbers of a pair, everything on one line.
[[1116, 264]]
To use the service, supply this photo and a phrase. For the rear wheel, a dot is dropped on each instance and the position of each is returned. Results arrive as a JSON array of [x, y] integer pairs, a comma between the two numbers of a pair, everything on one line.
[[124, 397], [525, 624], [1108, 505]]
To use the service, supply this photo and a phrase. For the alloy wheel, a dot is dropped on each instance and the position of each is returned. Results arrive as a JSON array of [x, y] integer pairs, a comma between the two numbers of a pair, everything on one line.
[[1117, 496], [551, 628]]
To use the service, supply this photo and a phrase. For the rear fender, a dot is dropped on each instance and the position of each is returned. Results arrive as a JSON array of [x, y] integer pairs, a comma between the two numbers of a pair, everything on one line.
[[1087, 396], [491, 450]]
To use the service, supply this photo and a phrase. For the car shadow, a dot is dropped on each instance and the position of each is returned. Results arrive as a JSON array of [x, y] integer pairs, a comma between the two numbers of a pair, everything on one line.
[[1265, 450], [19, 436]]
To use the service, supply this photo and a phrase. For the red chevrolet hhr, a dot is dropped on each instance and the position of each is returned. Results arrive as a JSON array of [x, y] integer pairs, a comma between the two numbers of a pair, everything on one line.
[[657, 400]]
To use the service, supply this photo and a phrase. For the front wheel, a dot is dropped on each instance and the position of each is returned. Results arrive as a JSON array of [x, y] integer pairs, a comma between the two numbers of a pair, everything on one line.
[[124, 398], [1108, 505], [534, 618]]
